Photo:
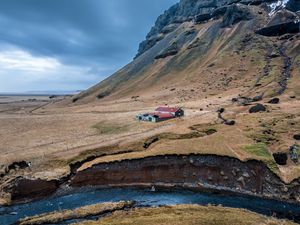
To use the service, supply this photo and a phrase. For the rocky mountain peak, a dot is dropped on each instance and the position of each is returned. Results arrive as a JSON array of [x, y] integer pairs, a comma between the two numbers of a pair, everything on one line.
[[187, 10]]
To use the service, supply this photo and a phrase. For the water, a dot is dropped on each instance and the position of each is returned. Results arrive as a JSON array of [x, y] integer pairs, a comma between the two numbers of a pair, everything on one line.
[[145, 197]]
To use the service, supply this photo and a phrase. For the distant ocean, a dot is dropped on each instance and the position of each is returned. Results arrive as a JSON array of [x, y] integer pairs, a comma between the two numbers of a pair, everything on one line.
[[39, 93]]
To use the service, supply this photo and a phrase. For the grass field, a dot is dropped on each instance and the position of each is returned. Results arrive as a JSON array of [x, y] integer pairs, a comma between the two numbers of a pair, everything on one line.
[[188, 215]]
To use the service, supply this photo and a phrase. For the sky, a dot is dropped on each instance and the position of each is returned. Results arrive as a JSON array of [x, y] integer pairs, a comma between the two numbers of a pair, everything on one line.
[[69, 45]]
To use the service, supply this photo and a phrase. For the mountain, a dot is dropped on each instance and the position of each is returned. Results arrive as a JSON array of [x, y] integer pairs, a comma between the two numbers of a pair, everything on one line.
[[199, 48]]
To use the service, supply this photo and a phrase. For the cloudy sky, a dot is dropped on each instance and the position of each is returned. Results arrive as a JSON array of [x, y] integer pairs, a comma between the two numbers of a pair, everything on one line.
[[66, 45]]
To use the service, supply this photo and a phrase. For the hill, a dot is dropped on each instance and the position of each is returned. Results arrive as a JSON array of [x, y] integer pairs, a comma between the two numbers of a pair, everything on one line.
[[202, 48]]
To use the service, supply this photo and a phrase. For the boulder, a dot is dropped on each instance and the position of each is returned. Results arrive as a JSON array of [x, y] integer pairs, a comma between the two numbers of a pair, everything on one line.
[[102, 95], [274, 101], [257, 108], [229, 122], [297, 137], [280, 158]]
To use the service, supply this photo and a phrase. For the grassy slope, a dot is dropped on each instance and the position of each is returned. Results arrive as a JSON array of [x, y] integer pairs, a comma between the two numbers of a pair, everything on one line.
[[188, 215], [59, 216]]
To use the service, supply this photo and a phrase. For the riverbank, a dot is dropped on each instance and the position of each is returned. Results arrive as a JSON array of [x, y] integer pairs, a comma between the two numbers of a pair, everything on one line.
[[212, 173], [75, 214], [145, 197], [186, 214]]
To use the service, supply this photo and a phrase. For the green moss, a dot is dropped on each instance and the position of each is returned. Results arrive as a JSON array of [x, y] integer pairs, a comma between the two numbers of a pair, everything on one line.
[[261, 150], [258, 149], [272, 166]]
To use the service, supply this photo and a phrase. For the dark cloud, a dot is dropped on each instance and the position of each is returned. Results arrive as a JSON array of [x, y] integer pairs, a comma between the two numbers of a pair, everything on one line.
[[79, 30], [89, 33]]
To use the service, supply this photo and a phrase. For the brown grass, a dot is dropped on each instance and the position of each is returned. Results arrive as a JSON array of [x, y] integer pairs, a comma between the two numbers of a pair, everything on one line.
[[188, 215], [59, 216]]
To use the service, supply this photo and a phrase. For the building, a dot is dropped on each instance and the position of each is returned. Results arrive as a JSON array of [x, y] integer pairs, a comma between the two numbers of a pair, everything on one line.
[[175, 111], [161, 114]]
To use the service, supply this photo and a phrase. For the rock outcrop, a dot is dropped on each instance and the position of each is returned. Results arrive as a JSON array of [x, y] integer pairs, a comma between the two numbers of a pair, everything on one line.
[[236, 13], [198, 172], [282, 22], [200, 11], [191, 171], [188, 10]]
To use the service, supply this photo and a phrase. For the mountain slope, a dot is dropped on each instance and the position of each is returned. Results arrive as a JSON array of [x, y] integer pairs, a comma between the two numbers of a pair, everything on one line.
[[200, 48]]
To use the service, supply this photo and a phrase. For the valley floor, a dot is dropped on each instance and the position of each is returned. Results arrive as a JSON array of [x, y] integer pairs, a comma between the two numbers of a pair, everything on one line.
[[52, 137]]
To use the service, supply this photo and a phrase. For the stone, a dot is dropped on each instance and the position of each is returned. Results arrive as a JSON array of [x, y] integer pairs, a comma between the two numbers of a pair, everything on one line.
[[257, 108], [229, 122], [293, 150], [245, 174], [280, 158], [274, 101], [297, 137], [241, 180]]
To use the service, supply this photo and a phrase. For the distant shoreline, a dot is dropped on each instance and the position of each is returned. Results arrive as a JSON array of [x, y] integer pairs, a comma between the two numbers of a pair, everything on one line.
[[37, 94]]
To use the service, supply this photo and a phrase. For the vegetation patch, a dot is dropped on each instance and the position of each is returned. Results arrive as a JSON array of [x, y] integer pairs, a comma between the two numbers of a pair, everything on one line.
[[110, 128], [260, 151], [202, 128]]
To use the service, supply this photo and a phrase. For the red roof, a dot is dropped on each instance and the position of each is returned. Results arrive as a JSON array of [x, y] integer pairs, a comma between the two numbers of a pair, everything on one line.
[[167, 109], [162, 115]]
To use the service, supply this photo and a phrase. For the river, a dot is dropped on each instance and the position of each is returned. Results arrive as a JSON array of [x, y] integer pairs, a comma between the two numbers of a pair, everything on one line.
[[146, 197]]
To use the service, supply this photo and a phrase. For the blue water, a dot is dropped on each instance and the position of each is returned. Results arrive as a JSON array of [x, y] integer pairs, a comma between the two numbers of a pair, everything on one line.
[[144, 197]]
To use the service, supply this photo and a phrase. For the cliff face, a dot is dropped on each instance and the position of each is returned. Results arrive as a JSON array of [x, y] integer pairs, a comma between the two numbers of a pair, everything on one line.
[[187, 10], [183, 11], [194, 34], [197, 172]]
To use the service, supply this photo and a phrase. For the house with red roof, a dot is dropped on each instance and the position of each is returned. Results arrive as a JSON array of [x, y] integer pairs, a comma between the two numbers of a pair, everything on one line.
[[175, 111], [161, 114]]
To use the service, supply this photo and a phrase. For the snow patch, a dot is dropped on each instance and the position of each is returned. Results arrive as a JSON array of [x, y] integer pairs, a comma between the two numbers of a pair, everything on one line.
[[280, 4]]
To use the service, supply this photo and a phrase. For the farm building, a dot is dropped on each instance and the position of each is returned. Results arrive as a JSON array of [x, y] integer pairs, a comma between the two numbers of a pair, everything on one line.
[[161, 114], [176, 112]]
